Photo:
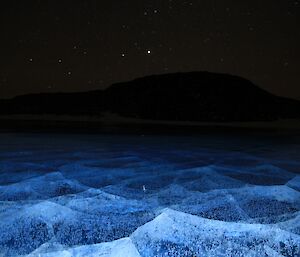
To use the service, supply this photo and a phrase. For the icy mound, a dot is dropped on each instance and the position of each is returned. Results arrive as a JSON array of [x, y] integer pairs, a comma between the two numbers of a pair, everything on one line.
[[178, 234], [210, 182], [294, 183], [264, 174], [31, 226], [43, 187], [86, 218], [13, 171], [217, 205], [267, 204], [254, 204], [142, 185], [120, 248], [279, 193], [292, 225], [98, 202], [91, 175], [15, 166], [173, 194], [201, 179], [104, 217]]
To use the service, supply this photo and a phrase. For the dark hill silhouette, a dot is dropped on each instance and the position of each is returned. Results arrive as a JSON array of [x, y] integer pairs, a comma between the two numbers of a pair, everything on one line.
[[194, 96]]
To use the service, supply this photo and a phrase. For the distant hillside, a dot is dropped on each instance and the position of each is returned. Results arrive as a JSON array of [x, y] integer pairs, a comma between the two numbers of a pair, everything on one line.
[[194, 96]]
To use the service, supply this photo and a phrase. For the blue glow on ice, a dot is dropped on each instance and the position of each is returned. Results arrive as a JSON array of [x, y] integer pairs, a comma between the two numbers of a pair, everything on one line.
[[134, 196]]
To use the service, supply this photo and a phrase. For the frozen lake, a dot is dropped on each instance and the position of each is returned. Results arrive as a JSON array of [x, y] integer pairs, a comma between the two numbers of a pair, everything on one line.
[[102, 195]]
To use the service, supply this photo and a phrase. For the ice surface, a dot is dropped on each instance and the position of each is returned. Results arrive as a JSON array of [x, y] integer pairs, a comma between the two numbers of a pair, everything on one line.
[[148, 196]]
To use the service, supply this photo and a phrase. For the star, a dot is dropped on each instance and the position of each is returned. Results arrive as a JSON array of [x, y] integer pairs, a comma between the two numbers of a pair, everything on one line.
[[148, 51]]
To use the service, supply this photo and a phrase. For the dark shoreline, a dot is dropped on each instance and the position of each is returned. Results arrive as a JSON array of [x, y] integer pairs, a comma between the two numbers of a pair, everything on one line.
[[92, 127]]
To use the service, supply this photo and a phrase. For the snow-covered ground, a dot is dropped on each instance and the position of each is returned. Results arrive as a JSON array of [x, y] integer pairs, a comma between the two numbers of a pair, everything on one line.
[[93, 195]]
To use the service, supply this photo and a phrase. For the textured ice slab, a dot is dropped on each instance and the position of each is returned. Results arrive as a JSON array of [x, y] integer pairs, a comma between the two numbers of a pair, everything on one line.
[[41, 187], [87, 218], [292, 225], [179, 234], [262, 174], [208, 179], [294, 183], [120, 248], [24, 230], [217, 205], [267, 204]]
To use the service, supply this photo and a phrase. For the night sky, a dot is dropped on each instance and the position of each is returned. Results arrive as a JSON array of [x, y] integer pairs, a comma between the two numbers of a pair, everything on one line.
[[50, 46]]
